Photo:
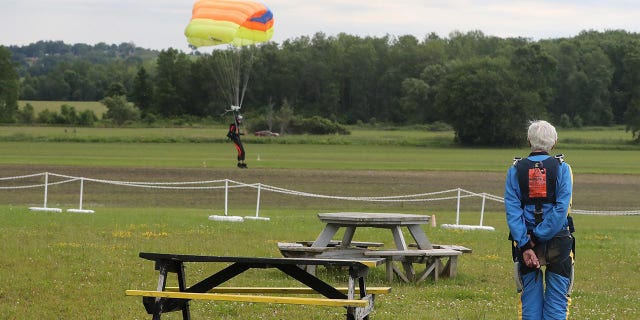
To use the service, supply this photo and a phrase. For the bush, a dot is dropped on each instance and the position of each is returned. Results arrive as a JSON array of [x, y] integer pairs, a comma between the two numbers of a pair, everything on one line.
[[120, 110], [439, 126], [565, 121], [299, 125], [577, 121], [316, 125], [26, 115], [87, 118], [46, 117]]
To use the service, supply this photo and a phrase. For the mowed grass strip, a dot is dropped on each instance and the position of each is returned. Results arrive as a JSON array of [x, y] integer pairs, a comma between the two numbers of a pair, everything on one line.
[[301, 156]]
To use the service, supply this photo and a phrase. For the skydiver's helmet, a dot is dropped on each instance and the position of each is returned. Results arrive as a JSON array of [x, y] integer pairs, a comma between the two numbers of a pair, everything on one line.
[[239, 118]]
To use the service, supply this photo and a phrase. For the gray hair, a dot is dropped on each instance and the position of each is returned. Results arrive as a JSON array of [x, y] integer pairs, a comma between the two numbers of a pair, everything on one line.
[[541, 135]]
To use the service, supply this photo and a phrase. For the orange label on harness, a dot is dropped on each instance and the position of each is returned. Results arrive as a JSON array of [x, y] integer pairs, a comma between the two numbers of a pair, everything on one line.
[[537, 183]]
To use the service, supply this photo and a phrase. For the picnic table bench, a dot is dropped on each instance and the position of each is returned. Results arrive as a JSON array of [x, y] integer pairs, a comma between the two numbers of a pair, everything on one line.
[[432, 258], [357, 298], [439, 260]]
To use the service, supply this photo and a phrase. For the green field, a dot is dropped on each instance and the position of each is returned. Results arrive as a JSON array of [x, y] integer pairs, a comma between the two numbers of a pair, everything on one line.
[[77, 266], [38, 106]]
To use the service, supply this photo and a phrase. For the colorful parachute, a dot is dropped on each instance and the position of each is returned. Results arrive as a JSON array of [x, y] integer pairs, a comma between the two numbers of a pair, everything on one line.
[[235, 22]]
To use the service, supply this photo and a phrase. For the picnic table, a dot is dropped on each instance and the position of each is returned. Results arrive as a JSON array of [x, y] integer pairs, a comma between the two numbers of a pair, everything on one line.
[[357, 298], [423, 253]]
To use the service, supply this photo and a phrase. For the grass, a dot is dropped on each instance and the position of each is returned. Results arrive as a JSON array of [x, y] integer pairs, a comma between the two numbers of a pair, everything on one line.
[[77, 266], [39, 106], [305, 156]]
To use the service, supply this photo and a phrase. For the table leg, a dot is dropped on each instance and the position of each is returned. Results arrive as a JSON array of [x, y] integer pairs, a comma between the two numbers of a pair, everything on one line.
[[322, 241], [347, 237], [163, 268], [182, 284], [326, 235], [401, 244], [419, 236]]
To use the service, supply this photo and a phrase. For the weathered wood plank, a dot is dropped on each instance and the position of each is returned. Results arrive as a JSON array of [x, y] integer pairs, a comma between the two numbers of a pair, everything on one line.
[[410, 253], [283, 290], [462, 249], [336, 243]]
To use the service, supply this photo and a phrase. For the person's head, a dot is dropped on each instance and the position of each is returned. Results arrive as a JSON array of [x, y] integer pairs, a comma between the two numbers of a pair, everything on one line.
[[542, 136], [239, 118]]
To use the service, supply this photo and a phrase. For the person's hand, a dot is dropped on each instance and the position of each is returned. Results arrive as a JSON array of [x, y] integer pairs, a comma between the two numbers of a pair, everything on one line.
[[530, 259]]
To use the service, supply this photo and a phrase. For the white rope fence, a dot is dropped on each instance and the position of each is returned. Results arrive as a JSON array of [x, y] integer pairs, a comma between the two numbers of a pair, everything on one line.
[[452, 194]]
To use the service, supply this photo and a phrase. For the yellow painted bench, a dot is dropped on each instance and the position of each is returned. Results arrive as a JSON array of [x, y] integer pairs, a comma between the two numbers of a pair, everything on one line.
[[251, 298], [357, 298]]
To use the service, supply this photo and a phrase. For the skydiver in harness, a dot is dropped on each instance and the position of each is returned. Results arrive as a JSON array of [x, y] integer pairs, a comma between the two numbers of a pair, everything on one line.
[[234, 134], [538, 192]]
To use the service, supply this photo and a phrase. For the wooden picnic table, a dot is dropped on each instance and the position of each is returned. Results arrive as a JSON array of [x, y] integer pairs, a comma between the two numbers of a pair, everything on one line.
[[357, 298], [395, 222]]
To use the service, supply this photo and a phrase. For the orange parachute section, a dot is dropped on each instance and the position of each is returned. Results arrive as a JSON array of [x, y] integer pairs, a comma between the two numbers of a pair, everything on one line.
[[235, 22]]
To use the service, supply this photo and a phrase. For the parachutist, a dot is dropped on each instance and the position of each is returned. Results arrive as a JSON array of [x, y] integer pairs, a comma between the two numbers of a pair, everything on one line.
[[234, 134]]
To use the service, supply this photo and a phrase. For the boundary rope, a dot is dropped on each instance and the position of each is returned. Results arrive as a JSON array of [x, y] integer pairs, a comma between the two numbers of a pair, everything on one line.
[[227, 184]]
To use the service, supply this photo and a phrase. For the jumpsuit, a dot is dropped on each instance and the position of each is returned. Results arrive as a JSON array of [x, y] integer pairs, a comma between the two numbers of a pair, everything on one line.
[[234, 135], [553, 245]]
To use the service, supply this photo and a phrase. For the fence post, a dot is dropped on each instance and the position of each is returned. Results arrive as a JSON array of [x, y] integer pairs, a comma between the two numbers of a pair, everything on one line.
[[46, 188], [484, 196], [80, 210], [257, 216], [46, 194], [226, 196], [458, 208], [226, 217], [258, 201]]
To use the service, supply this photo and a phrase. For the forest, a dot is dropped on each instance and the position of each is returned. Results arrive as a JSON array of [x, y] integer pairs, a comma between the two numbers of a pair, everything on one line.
[[486, 88]]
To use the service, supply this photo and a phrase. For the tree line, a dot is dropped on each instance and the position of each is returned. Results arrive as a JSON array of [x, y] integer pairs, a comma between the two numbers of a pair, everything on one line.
[[486, 88]]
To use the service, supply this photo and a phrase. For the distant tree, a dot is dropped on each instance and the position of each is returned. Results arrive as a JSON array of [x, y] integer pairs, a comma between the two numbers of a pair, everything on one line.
[[171, 86], [564, 121], [119, 110], [87, 118], [8, 87], [143, 91], [68, 115], [632, 82], [284, 116], [26, 114], [484, 104], [46, 116], [269, 115], [116, 89], [632, 117]]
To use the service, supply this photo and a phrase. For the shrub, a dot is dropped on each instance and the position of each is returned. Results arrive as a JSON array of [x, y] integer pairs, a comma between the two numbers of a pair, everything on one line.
[[299, 125], [87, 118], [26, 114], [120, 110], [46, 117], [565, 121], [316, 125]]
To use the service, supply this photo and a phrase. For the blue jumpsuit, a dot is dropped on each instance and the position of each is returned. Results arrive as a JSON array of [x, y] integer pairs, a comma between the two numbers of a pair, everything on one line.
[[548, 300]]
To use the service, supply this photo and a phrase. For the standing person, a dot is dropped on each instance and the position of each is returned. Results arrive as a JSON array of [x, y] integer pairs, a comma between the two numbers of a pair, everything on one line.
[[537, 199], [234, 134]]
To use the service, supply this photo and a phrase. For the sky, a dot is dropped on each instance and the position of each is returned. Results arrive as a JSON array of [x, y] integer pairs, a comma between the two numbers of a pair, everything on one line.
[[160, 24]]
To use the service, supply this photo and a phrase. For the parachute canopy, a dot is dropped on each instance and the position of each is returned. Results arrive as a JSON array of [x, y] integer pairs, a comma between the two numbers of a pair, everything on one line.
[[235, 22]]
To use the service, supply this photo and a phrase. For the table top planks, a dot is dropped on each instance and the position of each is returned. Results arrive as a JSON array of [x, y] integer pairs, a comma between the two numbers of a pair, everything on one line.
[[373, 219]]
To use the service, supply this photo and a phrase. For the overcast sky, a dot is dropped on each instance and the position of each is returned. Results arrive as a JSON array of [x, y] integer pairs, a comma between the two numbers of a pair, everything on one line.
[[159, 24]]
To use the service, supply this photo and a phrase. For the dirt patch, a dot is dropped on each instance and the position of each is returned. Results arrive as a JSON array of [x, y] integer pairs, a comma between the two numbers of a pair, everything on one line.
[[591, 192]]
